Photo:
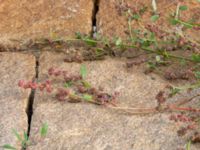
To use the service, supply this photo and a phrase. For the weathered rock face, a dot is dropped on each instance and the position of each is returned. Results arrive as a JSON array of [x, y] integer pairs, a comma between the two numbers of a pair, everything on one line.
[[25, 20], [13, 100], [87, 126], [112, 20]]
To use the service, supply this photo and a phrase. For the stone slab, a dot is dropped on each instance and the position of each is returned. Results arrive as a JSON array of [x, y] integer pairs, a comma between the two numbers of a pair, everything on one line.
[[22, 20], [13, 100], [112, 20], [89, 127]]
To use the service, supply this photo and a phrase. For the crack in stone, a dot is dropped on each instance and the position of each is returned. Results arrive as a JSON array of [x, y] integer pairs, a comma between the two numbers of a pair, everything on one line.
[[29, 109], [94, 19]]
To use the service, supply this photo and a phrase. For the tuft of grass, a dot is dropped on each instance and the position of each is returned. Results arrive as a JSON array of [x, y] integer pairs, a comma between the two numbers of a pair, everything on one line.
[[24, 140]]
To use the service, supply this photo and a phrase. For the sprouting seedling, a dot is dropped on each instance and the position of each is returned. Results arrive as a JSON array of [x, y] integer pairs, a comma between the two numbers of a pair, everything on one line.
[[174, 91], [83, 71], [24, 141], [44, 130]]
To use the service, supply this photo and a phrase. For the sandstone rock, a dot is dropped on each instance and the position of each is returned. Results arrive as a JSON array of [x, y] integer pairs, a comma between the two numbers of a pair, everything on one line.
[[87, 126], [13, 100], [112, 20], [25, 20]]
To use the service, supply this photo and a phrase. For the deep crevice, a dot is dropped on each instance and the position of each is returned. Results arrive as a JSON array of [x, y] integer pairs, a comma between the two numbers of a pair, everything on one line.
[[29, 109], [94, 17]]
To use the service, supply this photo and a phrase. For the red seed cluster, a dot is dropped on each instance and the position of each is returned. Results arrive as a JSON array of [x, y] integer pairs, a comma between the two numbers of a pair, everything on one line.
[[160, 97], [32, 85], [78, 87], [66, 76], [27, 85], [46, 85], [54, 72], [62, 94], [182, 131]]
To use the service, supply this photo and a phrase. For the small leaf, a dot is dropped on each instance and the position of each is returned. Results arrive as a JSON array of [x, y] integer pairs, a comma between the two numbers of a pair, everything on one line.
[[174, 91], [158, 59], [90, 42], [86, 84], [174, 21], [83, 71], [135, 17], [87, 97], [196, 58], [154, 18], [68, 84], [78, 35], [99, 52], [118, 42], [44, 130], [197, 74], [8, 146], [183, 7], [17, 135]]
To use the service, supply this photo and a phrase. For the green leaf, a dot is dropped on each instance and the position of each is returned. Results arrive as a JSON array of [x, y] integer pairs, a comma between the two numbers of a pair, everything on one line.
[[78, 35], [197, 74], [83, 71], [174, 21], [135, 16], [183, 7], [90, 42], [174, 91], [154, 18], [17, 135], [86, 84], [158, 59], [99, 52], [8, 146], [68, 84], [118, 42], [196, 58], [151, 65], [87, 97], [44, 130]]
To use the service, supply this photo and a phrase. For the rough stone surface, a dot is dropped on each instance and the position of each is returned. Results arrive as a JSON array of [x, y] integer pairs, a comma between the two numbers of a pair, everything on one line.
[[112, 20], [25, 20], [13, 100], [85, 126]]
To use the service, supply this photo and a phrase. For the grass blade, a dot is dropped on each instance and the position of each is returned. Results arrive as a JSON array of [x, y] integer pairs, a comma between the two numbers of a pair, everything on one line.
[[44, 130], [8, 146], [83, 71], [17, 135]]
